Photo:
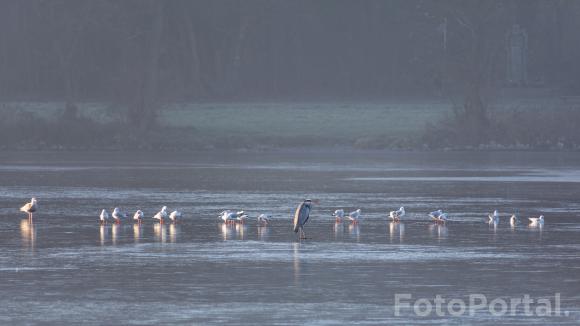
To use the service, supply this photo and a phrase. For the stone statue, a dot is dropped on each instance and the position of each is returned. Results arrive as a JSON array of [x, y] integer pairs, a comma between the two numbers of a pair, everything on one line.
[[517, 56]]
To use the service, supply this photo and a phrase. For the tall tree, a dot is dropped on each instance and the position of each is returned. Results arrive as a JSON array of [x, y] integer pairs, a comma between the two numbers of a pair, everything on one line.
[[475, 47]]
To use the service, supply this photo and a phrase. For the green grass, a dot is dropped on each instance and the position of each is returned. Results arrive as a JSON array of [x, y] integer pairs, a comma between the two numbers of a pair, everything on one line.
[[387, 124], [324, 120], [340, 121], [393, 124]]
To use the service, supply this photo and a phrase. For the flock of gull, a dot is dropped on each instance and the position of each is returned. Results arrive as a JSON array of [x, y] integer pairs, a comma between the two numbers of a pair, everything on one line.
[[117, 216], [300, 217]]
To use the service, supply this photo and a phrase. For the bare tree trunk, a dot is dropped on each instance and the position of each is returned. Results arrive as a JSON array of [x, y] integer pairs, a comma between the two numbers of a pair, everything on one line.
[[10, 25], [144, 114], [197, 81], [67, 49], [233, 73]]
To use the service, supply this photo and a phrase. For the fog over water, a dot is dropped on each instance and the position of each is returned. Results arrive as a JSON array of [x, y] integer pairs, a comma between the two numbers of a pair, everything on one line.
[[237, 108]]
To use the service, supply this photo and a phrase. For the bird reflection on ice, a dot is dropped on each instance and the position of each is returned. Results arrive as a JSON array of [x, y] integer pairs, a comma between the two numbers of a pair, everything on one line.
[[103, 233], [241, 230], [296, 261], [227, 231], [160, 232], [28, 233], [438, 231], [263, 232], [396, 230], [338, 230], [115, 232], [537, 227], [354, 231], [137, 232], [237, 231], [493, 225], [173, 232]]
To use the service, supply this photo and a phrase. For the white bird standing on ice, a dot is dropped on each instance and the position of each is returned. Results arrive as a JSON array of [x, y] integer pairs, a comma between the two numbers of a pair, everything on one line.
[[438, 216], [104, 217], [174, 216], [118, 215], [339, 215], [442, 218], [30, 208], [494, 218], [435, 214], [228, 217], [397, 215], [514, 220], [264, 219], [536, 220], [241, 217], [354, 216], [161, 215], [138, 216]]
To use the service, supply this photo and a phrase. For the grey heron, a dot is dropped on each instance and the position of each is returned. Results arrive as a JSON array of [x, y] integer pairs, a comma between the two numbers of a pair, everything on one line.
[[301, 217], [30, 208]]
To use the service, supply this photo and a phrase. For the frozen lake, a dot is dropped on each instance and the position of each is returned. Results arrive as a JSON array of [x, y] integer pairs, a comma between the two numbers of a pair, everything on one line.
[[66, 269]]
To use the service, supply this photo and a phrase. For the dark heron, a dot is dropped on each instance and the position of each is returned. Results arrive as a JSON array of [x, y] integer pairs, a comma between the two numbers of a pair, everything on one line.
[[301, 217]]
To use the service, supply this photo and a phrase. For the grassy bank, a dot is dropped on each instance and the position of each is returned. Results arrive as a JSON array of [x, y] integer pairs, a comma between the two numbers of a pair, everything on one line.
[[394, 125], [221, 125]]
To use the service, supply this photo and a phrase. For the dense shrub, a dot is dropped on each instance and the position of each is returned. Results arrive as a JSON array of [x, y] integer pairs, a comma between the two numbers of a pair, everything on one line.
[[547, 129]]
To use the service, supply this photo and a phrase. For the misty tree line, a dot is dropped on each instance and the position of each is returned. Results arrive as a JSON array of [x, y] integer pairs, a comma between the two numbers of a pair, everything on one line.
[[140, 53]]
